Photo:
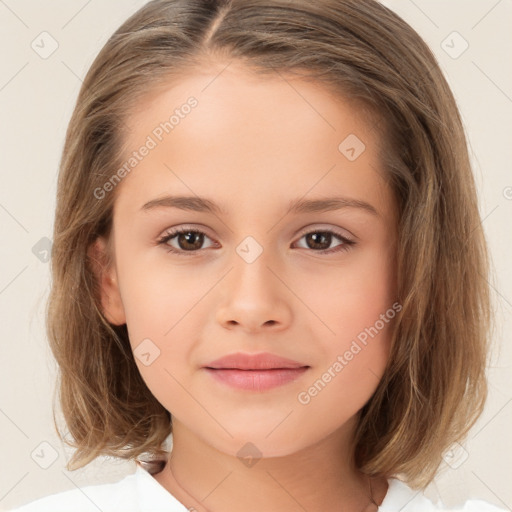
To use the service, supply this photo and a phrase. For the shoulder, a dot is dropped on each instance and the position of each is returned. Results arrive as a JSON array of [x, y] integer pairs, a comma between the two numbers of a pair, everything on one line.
[[116, 496], [401, 497], [138, 492]]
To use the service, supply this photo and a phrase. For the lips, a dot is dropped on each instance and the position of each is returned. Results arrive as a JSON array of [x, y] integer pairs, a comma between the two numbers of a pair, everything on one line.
[[255, 372], [264, 361]]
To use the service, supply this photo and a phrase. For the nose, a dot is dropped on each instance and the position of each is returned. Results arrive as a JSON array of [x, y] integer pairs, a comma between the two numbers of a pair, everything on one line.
[[253, 297]]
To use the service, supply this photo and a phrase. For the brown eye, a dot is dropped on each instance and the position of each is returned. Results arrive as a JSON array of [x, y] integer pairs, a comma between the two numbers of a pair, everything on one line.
[[190, 240], [184, 240], [321, 240]]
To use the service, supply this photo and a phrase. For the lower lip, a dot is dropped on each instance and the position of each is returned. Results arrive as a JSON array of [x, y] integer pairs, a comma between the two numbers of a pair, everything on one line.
[[256, 380]]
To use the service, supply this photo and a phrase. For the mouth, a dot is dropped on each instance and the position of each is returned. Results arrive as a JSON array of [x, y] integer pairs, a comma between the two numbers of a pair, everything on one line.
[[255, 372]]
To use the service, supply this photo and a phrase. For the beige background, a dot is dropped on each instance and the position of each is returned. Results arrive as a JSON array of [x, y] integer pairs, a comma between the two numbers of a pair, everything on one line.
[[36, 100]]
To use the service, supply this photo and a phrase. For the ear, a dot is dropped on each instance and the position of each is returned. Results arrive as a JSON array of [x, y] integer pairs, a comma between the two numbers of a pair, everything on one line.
[[106, 278]]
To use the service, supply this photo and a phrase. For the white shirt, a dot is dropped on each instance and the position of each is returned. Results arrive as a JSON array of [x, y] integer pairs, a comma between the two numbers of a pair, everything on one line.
[[141, 492]]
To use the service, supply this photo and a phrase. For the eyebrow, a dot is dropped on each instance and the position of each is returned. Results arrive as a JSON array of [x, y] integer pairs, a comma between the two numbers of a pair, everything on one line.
[[201, 204]]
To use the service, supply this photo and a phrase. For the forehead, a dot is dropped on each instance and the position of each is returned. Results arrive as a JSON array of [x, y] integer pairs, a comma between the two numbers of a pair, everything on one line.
[[235, 96], [229, 131]]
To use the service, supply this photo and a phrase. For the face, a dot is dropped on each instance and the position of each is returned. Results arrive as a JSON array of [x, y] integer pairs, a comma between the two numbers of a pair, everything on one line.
[[251, 275]]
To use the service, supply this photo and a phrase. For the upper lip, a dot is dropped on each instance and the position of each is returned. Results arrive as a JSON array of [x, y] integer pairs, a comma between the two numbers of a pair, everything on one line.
[[263, 361]]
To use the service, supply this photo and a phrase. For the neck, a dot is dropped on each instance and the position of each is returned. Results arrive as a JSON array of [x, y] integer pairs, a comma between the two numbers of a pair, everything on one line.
[[321, 477]]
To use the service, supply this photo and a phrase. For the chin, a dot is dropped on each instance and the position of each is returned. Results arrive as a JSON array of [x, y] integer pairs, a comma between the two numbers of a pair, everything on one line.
[[258, 443]]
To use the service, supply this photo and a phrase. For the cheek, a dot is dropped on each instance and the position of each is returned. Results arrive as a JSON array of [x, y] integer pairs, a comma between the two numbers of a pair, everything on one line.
[[162, 304], [356, 304], [351, 296], [158, 300], [338, 391]]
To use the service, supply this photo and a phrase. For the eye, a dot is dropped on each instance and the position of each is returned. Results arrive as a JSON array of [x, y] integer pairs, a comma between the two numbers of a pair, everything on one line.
[[190, 241], [322, 239]]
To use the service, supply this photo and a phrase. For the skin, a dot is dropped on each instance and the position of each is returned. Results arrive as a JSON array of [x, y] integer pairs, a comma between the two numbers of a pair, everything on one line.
[[252, 145]]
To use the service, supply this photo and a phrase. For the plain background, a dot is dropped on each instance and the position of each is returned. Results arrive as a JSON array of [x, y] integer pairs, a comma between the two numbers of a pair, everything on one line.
[[37, 96]]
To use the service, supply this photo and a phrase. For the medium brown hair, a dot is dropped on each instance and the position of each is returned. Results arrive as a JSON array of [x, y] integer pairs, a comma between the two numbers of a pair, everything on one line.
[[434, 386]]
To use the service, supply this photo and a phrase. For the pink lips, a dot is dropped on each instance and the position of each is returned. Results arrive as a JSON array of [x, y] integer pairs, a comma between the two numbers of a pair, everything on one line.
[[256, 372]]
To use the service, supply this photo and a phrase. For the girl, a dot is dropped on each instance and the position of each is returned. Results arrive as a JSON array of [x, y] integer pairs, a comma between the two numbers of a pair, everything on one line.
[[267, 244]]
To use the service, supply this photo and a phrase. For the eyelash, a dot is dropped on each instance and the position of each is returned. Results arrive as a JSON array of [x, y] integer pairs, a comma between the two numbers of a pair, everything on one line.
[[345, 246]]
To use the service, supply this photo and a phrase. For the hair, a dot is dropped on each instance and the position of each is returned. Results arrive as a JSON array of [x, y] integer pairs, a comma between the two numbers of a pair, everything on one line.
[[434, 386]]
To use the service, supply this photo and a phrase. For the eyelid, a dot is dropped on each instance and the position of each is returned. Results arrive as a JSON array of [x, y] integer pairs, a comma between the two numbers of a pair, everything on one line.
[[185, 227], [344, 233]]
